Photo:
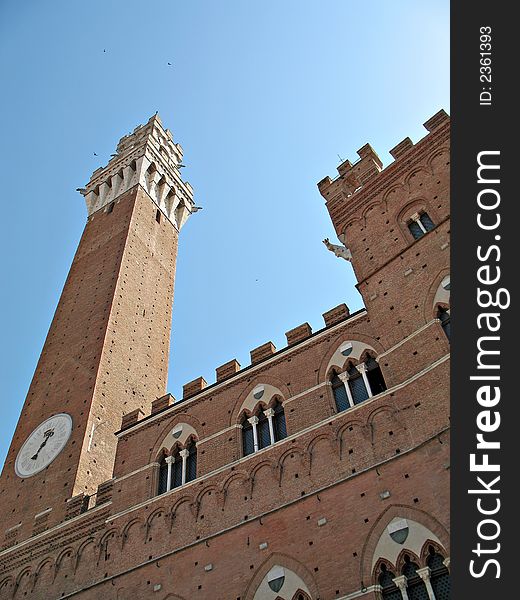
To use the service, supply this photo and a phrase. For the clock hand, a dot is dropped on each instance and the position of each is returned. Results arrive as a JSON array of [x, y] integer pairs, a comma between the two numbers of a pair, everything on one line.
[[49, 433]]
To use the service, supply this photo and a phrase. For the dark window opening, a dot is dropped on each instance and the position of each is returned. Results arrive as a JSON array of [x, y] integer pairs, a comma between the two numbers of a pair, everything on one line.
[[444, 316], [340, 393], [262, 428], [248, 444], [386, 581], [439, 575], [421, 226], [415, 586], [110, 207], [191, 462], [280, 427], [158, 216], [357, 386], [375, 376]]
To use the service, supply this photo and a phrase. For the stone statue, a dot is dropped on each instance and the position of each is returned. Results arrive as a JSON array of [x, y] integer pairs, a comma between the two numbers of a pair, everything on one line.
[[339, 251]]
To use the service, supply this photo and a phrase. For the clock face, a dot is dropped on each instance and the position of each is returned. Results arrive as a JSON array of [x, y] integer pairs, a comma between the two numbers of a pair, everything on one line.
[[43, 445]]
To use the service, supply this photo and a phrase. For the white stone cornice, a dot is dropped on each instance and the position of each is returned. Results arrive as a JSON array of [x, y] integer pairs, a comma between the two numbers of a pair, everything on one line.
[[148, 157]]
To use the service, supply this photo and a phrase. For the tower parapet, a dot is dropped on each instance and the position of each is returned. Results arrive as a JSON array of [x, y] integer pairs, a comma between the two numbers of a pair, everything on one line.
[[148, 156]]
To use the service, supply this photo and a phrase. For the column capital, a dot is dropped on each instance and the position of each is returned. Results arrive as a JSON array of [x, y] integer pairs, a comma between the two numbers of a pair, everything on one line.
[[253, 420], [343, 376], [269, 412], [362, 368], [184, 453], [446, 562], [424, 573], [415, 217], [169, 460], [401, 582]]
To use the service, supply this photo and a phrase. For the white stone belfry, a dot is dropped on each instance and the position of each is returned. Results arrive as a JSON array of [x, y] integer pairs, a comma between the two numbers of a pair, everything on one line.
[[148, 156]]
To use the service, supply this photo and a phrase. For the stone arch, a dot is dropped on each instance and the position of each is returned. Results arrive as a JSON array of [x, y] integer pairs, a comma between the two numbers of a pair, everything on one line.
[[436, 295], [22, 579], [46, 562], [104, 542], [6, 584], [125, 534], [391, 512], [301, 595], [253, 395], [165, 439], [335, 354], [81, 549], [399, 563], [286, 562], [414, 173], [270, 465], [425, 551], [438, 153]]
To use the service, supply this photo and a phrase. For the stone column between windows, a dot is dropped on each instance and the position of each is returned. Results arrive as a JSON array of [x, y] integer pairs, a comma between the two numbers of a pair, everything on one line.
[[184, 455], [417, 218], [254, 423], [269, 413], [344, 378], [401, 582], [424, 574], [362, 368], [169, 462]]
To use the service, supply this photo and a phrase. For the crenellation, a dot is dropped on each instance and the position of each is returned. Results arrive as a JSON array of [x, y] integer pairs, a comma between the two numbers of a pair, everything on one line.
[[262, 352]]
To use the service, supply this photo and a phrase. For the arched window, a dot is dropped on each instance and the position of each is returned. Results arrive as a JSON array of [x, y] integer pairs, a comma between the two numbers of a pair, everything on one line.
[[357, 385], [375, 377], [415, 586], [443, 315], [280, 428], [340, 393], [386, 580], [439, 575], [264, 428], [419, 224], [178, 468]]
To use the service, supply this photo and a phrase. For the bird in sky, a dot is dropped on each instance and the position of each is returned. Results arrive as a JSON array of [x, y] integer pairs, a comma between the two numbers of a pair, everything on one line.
[[196, 209], [95, 154], [180, 166], [170, 64]]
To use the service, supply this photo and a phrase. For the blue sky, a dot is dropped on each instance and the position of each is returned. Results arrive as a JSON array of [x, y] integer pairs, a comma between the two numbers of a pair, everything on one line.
[[263, 97]]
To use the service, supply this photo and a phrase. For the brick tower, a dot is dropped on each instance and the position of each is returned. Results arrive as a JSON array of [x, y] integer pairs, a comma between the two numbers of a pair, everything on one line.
[[107, 349]]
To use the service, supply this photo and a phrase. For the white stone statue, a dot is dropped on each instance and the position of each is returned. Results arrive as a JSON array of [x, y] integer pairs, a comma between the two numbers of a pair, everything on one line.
[[340, 251]]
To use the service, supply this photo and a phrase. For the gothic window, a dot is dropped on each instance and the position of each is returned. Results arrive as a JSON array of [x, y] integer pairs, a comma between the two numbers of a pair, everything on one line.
[[444, 316], [415, 586], [439, 575], [280, 428], [340, 393], [386, 580], [264, 428], [375, 377], [178, 469], [419, 224], [357, 385]]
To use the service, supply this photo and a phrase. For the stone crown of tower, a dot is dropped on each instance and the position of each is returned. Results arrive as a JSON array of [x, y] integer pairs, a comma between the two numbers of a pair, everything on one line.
[[148, 156]]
